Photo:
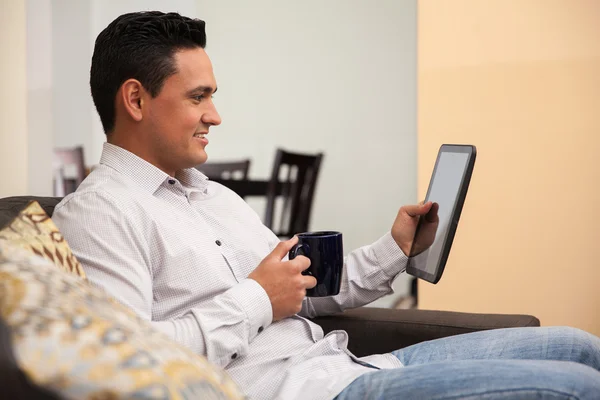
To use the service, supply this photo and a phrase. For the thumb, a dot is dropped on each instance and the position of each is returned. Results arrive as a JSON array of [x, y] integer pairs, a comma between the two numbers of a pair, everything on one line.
[[432, 214], [418, 209], [283, 248]]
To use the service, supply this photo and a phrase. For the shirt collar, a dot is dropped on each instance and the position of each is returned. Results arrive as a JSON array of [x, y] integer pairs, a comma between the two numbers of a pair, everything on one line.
[[149, 177], [192, 178]]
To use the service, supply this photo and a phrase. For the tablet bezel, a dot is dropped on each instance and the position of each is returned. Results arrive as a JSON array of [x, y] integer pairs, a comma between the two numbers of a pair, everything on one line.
[[455, 215]]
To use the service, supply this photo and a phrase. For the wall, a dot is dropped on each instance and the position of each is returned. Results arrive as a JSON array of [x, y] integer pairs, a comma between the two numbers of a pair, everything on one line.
[[40, 92], [336, 76], [73, 112], [60, 43], [519, 79], [13, 99]]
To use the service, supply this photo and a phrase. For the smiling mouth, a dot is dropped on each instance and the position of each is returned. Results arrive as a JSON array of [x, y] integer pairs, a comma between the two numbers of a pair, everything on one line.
[[200, 135]]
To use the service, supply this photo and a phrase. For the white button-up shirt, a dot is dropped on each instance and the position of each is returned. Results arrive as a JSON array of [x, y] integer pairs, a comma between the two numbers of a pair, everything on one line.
[[178, 251]]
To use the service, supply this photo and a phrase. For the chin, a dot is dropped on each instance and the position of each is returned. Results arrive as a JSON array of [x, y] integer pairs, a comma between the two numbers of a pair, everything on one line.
[[200, 159]]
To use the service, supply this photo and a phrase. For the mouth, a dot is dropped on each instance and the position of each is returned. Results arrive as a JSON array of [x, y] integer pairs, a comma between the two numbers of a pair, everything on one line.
[[201, 137]]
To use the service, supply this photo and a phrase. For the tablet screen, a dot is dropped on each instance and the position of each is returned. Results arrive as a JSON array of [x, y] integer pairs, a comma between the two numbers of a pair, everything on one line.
[[444, 189]]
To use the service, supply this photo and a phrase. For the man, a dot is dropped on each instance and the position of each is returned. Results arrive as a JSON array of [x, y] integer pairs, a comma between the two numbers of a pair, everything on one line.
[[191, 257]]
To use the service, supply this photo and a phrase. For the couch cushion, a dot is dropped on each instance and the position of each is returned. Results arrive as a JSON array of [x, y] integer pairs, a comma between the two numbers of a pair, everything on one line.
[[33, 230], [11, 206], [14, 383], [73, 339]]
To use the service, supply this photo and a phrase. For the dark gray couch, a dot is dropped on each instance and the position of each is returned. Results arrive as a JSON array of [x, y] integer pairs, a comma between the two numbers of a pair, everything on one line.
[[371, 330]]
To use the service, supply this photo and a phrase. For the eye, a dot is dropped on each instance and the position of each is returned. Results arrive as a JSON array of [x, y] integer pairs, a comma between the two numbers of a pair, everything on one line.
[[201, 97]]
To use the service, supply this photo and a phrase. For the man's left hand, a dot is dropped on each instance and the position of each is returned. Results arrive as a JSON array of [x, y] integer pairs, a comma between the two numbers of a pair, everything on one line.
[[405, 225]]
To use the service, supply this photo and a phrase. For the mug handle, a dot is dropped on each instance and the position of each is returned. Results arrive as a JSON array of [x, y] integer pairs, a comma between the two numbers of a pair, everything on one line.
[[297, 247], [294, 252]]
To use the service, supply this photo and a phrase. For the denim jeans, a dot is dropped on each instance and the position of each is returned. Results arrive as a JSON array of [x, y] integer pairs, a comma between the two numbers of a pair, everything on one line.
[[515, 363]]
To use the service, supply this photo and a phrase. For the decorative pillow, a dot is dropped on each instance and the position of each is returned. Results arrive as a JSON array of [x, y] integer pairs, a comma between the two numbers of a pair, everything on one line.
[[33, 230], [69, 337]]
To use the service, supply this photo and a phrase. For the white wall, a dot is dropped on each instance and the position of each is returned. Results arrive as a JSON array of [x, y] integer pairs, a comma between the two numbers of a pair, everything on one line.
[[13, 99], [40, 104], [336, 76], [74, 25], [71, 55]]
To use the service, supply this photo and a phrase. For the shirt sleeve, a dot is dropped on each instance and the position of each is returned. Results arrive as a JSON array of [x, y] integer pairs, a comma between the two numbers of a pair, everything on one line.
[[116, 257]]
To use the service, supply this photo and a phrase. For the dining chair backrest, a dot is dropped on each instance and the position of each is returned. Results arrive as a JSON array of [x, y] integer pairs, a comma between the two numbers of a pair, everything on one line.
[[226, 170], [296, 175], [69, 167]]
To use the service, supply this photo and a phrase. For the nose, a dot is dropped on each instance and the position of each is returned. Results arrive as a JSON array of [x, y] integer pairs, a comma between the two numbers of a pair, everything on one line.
[[211, 116]]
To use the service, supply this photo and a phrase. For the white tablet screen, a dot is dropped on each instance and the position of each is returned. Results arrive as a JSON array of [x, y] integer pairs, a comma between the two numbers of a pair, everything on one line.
[[444, 190]]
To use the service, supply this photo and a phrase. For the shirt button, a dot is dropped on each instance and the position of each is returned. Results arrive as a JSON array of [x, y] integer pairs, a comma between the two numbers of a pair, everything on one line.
[[234, 356], [260, 329], [172, 181], [218, 242]]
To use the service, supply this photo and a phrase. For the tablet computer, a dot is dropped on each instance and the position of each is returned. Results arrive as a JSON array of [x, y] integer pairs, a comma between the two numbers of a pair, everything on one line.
[[447, 187]]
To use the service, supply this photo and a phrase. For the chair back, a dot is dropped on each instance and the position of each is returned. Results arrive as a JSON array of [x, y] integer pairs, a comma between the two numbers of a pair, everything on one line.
[[295, 175], [226, 170], [68, 159]]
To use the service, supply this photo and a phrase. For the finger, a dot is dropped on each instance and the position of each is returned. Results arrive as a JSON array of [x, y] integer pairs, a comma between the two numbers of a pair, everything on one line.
[[415, 210], [301, 263], [432, 215], [310, 282], [283, 248]]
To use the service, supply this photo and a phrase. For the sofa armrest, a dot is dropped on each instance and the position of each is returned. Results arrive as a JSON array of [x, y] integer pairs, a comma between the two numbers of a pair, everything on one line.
[[381, 330]]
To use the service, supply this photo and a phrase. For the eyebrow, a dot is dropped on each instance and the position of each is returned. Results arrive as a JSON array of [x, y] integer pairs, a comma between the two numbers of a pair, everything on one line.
[[203, 89]]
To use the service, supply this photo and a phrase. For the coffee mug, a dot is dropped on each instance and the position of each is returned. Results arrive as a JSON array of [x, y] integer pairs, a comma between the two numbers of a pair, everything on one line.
[[324, 249]]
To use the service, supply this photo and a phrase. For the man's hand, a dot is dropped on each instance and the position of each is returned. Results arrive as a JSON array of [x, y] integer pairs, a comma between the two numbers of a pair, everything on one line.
[[405, 225], [283, 280]]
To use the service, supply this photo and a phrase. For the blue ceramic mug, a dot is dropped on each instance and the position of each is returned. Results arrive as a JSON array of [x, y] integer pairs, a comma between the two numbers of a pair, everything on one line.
[[326, 254]]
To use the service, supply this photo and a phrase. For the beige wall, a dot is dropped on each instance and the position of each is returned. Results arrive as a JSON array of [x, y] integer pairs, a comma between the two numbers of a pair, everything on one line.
[[13, 99], [520, 79]]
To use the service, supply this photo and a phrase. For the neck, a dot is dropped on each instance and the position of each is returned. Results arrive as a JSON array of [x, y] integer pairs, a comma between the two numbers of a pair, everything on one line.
[[135, 143]]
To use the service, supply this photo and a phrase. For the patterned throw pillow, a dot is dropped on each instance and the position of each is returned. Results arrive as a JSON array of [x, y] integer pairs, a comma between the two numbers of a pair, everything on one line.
[[69, 337], [33, 230]]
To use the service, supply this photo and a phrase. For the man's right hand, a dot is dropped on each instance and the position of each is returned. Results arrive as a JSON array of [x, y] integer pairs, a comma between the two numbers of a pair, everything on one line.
[[283, 280]]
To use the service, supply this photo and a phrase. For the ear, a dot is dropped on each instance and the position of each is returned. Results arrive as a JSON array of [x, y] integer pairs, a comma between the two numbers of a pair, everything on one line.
[[132, 95]]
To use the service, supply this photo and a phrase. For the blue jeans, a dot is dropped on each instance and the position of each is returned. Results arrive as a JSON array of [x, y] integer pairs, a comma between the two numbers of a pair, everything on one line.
[[515, 363]]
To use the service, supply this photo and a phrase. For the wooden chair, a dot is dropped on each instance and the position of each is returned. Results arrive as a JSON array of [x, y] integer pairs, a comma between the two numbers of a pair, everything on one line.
[[226, 170], [297, 189], [68, 159]]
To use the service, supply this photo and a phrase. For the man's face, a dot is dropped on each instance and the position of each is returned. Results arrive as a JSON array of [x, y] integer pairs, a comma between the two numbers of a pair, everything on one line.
[[177, 120]]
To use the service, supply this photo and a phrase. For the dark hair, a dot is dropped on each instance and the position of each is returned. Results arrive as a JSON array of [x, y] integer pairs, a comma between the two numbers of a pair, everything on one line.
[[141, 46]]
